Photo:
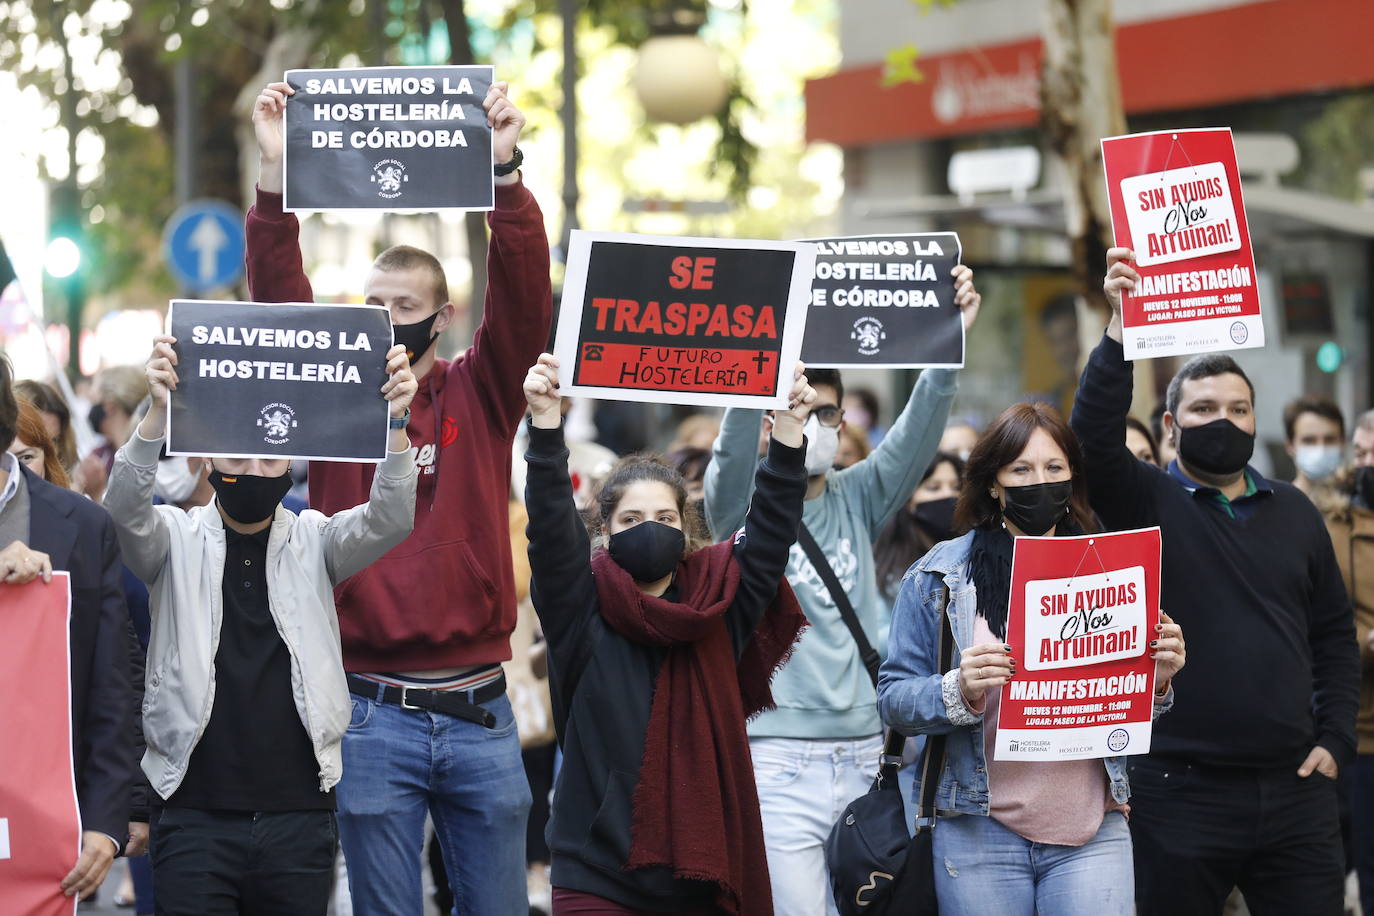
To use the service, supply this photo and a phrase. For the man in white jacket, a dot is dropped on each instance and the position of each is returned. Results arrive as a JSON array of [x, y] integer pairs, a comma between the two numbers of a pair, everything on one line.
[[246, 700]]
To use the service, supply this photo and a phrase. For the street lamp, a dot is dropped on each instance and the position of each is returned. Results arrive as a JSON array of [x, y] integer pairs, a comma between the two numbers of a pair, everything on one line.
[[678, 77]]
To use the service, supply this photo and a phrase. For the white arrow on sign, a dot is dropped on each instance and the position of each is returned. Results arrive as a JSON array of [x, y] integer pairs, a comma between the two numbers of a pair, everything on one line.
[[206, 240]]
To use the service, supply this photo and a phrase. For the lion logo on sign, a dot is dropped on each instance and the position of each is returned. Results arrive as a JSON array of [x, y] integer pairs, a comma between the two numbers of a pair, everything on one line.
[[389, 175], [868, 333], [276, 421]]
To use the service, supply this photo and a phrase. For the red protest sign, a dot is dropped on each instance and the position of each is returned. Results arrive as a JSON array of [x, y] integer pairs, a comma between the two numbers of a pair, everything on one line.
[[1082, 614], [1176, 202], [712, 322], [40, 824]]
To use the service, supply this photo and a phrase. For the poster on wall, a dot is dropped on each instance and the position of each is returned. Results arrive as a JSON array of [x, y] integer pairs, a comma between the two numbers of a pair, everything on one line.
[[1081, 616], [666, 319], [1176, 201]]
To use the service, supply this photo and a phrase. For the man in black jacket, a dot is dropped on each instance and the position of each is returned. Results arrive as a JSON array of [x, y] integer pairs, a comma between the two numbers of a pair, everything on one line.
[[44, 528], [1238, 789]]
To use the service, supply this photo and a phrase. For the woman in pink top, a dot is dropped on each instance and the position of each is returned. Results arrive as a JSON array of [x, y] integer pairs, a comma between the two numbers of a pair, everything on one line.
[[1014, 838]]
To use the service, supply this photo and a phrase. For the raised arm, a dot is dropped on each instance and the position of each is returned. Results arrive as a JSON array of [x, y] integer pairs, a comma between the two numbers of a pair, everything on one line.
[[518, 308], [1120, 487], [143, 535], [273, 253], [770, 527], [358, 537], [885, 479], [561, 585], [729, 478]]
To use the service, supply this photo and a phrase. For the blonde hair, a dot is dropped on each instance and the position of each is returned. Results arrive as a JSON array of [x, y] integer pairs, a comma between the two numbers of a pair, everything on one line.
[[127, 386]]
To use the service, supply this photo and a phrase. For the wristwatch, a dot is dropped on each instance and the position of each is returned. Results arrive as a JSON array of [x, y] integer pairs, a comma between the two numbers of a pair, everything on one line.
[[505, 168], [400, 422]]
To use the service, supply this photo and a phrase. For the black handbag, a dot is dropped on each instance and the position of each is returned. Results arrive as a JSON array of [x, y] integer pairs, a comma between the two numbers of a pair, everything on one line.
[[877, 867]]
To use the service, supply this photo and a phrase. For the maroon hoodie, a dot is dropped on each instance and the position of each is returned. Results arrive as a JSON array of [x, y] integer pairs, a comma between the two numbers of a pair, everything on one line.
[[446, 595]]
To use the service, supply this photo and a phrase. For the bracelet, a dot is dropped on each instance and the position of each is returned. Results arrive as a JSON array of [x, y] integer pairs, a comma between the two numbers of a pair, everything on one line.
[[400, 422], [501, 169]]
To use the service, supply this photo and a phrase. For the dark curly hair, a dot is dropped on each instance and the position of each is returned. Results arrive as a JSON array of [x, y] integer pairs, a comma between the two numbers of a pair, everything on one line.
[[631, 470]]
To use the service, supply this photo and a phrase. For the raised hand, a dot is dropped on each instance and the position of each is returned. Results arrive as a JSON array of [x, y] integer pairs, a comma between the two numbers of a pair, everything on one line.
[[400, 385], [1120, 276], [787, 424], [966, 296], [541, 393], [269, 110], [506, 122], [161, 369]]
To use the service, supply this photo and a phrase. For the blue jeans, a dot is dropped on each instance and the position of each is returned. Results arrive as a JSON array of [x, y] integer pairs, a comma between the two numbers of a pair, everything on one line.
[[804, 786], [400, 764], [982, 867]]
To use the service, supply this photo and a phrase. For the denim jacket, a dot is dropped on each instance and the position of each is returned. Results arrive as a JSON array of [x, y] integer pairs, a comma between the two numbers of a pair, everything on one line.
[[915, 699]]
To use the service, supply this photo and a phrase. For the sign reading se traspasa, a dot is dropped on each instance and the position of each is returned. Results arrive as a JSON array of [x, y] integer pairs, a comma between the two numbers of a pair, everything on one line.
[[712, 322], [885, 301], [1080, 620], [400, 139], [1176, 201], [279, 381]]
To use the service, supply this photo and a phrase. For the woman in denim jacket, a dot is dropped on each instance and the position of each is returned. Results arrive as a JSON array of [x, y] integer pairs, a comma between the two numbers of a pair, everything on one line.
[[1014, 837]]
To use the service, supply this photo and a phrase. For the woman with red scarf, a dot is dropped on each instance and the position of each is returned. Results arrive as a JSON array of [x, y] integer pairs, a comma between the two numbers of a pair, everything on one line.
[[660, 650]]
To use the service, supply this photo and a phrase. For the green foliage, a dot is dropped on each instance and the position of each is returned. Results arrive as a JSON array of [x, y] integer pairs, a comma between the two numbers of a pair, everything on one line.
[[1338, 144]]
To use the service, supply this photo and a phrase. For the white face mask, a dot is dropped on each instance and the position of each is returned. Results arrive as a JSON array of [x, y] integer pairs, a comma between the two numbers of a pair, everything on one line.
[[1317, 462], [822, 444], [175, 481]]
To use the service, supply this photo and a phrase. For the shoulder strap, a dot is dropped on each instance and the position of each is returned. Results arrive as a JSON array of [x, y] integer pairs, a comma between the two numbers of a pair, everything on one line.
[[841, 599], [933, 761]]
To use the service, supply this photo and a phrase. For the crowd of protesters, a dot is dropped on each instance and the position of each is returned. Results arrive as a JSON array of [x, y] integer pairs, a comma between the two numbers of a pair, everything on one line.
[[595, 684]]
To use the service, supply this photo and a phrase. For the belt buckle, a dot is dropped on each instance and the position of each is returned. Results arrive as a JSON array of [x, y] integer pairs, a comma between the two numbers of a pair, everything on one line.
[[406, 704]]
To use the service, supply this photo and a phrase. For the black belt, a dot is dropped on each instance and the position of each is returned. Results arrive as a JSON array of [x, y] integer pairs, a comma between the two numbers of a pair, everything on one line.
[[464, 704]]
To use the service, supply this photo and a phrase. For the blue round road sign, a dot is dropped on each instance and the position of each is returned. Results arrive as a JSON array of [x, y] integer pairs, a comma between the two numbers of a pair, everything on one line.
[[203, 245]]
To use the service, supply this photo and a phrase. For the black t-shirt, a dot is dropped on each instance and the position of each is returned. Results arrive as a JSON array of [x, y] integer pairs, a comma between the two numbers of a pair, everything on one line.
[[255, 754]]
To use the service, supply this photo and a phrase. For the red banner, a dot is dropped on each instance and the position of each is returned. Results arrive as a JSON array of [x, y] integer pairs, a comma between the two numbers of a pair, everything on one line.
[[1083, 612], [1176, 202], [40, 825]]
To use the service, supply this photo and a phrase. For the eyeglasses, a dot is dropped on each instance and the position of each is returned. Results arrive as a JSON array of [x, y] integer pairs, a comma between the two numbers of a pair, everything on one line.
[[828, 415]]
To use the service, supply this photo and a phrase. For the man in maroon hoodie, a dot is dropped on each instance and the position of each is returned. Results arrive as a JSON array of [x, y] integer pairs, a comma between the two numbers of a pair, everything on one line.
[[425, 629]]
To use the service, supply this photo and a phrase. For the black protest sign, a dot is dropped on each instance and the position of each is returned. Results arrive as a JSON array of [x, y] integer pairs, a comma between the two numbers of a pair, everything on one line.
[[399, 139], [885, 300], [279, 381], [712, 322]]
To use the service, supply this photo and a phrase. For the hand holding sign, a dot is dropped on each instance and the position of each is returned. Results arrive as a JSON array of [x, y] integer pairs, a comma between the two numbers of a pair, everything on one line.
[[1168, 651], [1121, 277], [982, 668], [400, 386], [965, 295], [787, 425], [268, 113], [541, 393], [505, 120], [19, 564]]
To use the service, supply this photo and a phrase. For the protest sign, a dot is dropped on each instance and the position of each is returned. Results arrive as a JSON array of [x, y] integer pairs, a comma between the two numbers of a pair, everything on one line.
[[279, 381], [885, 300], [40, 823], [711, 322], [1082, 615], [1176, 202], [400, 139]]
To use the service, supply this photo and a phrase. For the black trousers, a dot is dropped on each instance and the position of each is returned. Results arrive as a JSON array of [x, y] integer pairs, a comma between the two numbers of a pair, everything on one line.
[[1199, 831], [224, 863]]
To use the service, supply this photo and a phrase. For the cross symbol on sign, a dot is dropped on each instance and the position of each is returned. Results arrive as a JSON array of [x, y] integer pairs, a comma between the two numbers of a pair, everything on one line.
[[761, 360]]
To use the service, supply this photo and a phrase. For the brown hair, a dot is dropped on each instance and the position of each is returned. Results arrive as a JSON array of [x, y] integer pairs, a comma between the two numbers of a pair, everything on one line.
[[1313, 404], [631, 470], [406, 257], [32, 432], [1001, 443], [1133, 423], [47, 400]]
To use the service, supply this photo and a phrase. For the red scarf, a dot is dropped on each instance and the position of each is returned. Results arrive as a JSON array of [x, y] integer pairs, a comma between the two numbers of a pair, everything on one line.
[[696, 808]]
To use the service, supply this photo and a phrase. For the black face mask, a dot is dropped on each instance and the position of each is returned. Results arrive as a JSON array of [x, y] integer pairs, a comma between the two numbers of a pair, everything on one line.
[[1220, 447], [96, 417], [1364, 486], [649, 551], [246, 498], [936, 516], [1037, 508], [416, 338]]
